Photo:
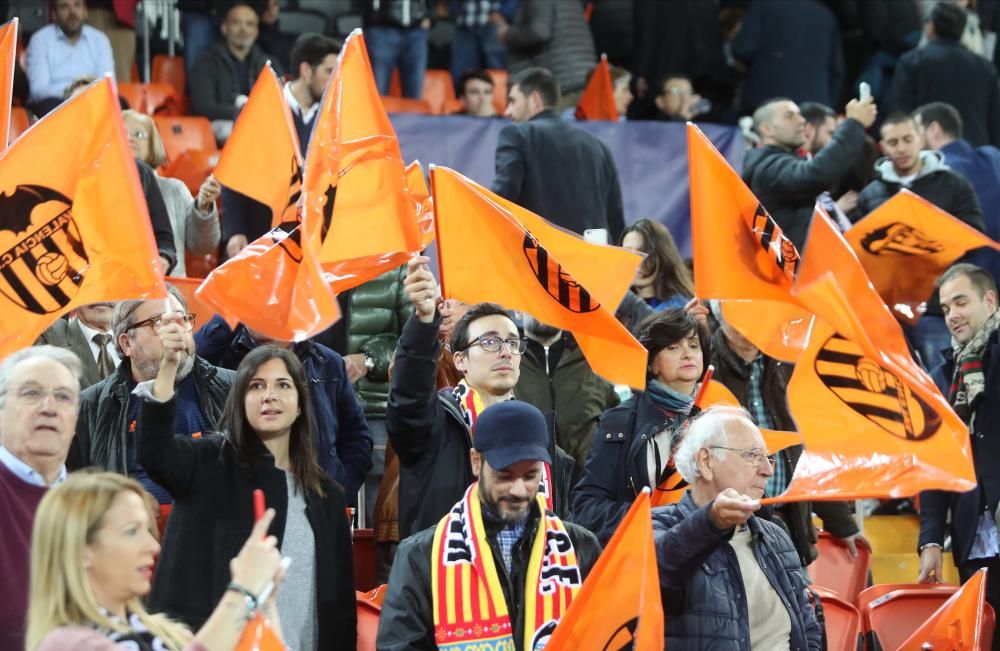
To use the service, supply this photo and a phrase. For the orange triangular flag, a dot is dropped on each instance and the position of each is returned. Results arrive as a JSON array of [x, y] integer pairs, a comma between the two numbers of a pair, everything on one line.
[[8, 60], [259, 636], [598, 99], [957, 624], [355, 181], [759, 262], [59, 183], [492, 250], [905, 244], [262, 158], [717, 393], [608, 613], [416, 182]]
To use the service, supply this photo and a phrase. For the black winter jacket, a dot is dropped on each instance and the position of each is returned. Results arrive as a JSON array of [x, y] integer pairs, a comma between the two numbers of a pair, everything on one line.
[[407, 619], [212, 518], [430, 437], [214, 82], [101, 429], [788, 185], [159, 218], [704, 601]]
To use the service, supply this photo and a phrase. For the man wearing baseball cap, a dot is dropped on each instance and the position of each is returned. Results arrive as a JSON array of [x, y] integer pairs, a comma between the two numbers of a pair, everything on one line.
[[492, 568]]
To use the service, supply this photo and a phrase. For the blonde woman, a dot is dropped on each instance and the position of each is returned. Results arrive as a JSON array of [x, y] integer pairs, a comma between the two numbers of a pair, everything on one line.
[[92, 559], [195, 220]]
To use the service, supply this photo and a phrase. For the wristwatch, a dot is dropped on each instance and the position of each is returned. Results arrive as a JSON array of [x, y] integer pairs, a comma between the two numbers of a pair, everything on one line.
[[369, 362]]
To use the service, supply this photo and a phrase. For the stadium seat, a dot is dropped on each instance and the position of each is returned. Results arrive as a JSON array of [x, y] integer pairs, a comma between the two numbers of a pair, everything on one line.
[[199, 266], [19, 123], [395, 87], [843, 622], [162, 99], [299, 21], [438, 90], [499, 89], [835, 570], [405, 105], [182, 134], [453, 106], [134, 94], [377, 595], [192, 167], [344, 24], [891, 613], [169, 70], [368, 615], [364, 559]]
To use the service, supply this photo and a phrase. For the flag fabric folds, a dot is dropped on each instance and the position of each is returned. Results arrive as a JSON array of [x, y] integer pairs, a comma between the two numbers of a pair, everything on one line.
[[717, 393], [74, 228], [8, 59], [598, 99], [492, 250], [905, 244], [608, 613], [259, 636], [957, 624]]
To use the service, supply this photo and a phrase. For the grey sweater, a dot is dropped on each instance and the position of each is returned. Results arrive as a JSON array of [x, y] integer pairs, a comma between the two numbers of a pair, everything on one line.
[[194, 230]]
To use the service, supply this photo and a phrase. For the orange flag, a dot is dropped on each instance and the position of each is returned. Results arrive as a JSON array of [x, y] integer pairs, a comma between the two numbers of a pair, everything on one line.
[[905, 244], [74, 228], [262, 158], [758, 263], [416, 182], [356, 184], [598, 99], [957, 624], [8, 59], [717, 393], [259, 636], [492, 250], [609, 613]]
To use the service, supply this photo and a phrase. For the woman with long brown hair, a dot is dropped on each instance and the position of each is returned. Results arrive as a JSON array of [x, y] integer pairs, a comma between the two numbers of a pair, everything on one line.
[[663, 280]]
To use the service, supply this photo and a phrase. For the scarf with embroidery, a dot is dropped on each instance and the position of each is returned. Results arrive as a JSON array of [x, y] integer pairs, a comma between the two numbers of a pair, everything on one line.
[[470, 612], [471, 404], [968, 378]]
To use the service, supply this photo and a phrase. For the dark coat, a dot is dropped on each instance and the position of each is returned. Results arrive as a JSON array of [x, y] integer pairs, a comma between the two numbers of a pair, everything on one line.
[[966, 507], [788, 185], [101, 429], [981, 166], [734, 373], [945, 71], [212, 517], [215, 83], [407, 619], [555, 35], [704, 601], [159, 218], [67, 334], [561, 172], [343, 441], [429, 435], [616, 468]]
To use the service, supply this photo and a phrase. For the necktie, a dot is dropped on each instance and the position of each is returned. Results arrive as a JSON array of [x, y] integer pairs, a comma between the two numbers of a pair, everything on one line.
[[105, 365]]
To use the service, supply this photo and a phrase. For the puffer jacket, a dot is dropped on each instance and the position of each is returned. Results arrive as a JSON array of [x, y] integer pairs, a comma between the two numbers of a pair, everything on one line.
[[552, 34], [704, 601]]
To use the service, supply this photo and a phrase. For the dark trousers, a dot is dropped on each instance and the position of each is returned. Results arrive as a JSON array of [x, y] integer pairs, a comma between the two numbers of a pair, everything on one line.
[[965, 572]]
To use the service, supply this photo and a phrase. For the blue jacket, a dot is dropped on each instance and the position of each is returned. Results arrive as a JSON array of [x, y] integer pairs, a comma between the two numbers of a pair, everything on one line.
[[704, 601], [343, 441], [981, 166]]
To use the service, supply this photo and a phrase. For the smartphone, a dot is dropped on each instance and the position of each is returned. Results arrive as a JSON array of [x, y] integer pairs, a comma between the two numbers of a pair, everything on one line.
[[596, 235], [864, 91]]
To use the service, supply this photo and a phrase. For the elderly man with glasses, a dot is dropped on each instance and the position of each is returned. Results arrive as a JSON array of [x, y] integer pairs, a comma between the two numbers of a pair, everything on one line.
[[105, 432], [730, 579]]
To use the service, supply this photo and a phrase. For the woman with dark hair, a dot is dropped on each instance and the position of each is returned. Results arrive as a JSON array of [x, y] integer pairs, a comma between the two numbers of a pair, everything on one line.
[[663, 280], [634, 442], [268, 444]]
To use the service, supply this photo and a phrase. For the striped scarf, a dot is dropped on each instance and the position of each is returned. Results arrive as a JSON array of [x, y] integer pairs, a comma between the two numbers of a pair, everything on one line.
[[968, 379], [470, 611], [471, 404]]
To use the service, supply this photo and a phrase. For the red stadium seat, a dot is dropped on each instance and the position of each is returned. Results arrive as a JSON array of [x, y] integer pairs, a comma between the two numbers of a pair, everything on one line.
[[368, 615], [134, 94], [888, 619], [843, 622], [152, 99], [835, 570], [438, 90], [364, 559], [453, 106], [499, 89], [19, 123], [182, 134], [395, 86], [193, 167], [169, 70], [405, 105]]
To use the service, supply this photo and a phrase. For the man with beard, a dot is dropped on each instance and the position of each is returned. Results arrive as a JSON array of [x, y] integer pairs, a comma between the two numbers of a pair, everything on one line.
[[105, 431], [486, 544], [88, 334]]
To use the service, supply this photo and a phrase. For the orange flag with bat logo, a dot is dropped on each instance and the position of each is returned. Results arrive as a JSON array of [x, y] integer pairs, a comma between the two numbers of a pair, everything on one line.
[[608, 613], [492, 250], [74, 228], [598, 99], [741, 256], [957, 624], [8, 60], [905, 244], [355, 181]]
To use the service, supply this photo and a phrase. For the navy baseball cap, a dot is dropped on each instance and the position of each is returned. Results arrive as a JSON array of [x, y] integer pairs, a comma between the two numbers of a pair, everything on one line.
[[512, 431]]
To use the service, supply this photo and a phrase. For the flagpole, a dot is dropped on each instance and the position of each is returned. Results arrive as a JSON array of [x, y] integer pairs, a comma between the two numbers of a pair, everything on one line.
[[437, 233]]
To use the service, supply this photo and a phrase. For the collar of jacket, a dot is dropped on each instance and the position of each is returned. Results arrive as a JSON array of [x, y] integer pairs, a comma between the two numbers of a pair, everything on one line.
[[930, 163], [544, 114], [243, 342]]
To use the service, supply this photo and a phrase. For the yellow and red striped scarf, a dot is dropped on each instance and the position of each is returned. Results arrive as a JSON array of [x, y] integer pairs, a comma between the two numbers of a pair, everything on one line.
[[470, 612]]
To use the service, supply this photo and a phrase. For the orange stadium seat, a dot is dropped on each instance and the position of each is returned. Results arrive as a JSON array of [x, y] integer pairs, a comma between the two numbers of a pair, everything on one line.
[[835, 570], [19, 123], [843, 622], [169, 70], [134, 94], [896, 611], [368, 616], [453, 106], [192, 167], [405, 105], [182, 134], [162, 99], [438, 90], [499, 89], [364, 559]]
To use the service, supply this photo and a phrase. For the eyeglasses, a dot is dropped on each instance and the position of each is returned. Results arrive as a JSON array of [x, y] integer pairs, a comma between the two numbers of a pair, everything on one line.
[[33, 394], [753, 456], [156, 321], [138, 134], [492, 344]]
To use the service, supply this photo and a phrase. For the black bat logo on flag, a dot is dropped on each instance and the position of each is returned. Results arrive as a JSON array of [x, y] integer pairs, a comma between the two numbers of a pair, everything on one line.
[[15, 209]]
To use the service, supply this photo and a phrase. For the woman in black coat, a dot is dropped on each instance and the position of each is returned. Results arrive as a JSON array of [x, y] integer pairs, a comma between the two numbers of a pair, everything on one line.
[[268, 445], [634, 442]]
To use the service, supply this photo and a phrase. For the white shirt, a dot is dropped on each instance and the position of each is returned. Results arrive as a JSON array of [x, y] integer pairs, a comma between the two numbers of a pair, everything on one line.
[[54, 63], [88, 334], [308, 114], [26, 473]]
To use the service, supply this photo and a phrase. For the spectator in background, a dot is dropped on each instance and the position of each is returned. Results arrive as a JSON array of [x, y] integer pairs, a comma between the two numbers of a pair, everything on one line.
[[475, 89], [200, 20], [890, 28], [552, 167], [474, 44], [944, 71], [276, 44], [621, 84], [821, 123], [117, 21], [226, 71], [39, 402], [313, 58], [194, 220], [675, 99], [791, 48], [974, 38], [554, 35], [88, 335], [396, 35], [62, 52], [662, 280]]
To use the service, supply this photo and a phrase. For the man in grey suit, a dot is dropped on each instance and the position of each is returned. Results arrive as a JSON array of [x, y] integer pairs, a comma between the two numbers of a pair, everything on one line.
[[88, 334]]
